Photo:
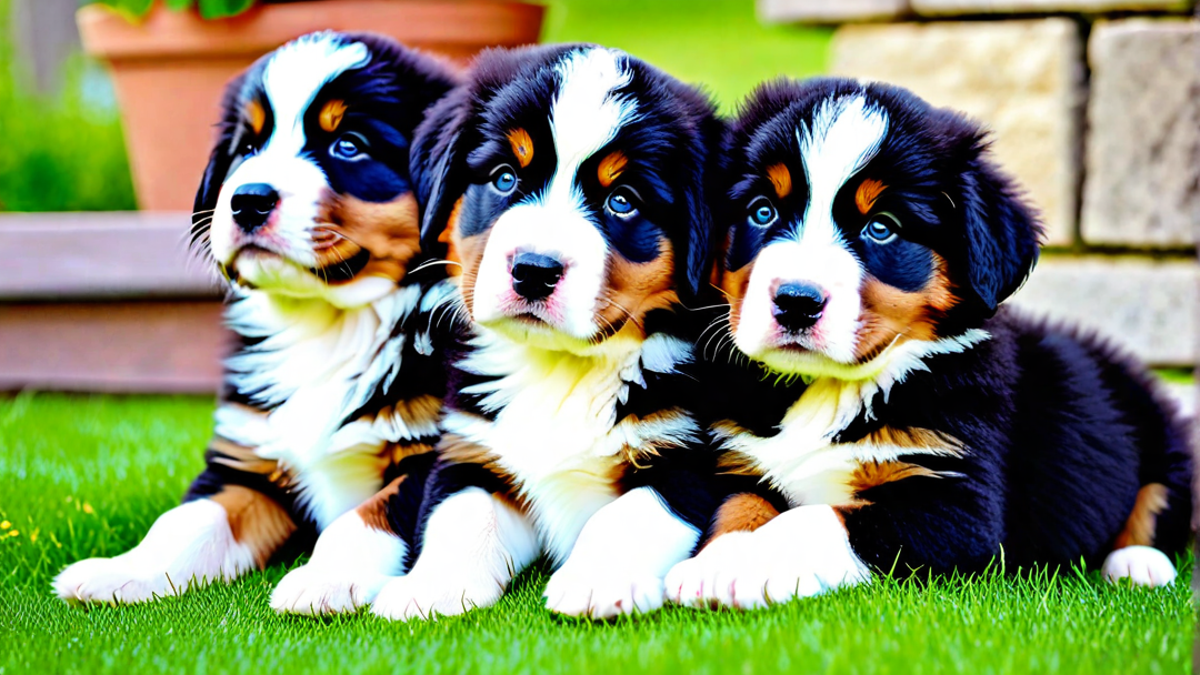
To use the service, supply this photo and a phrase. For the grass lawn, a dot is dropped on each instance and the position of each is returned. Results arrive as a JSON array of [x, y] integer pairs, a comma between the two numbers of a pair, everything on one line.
[[84, 476]]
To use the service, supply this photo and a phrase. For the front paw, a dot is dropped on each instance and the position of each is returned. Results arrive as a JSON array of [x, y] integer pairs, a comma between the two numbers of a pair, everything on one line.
[[722, 574], [774, 564], [602, 595], [420, 596], [115, 580], [315, 590]]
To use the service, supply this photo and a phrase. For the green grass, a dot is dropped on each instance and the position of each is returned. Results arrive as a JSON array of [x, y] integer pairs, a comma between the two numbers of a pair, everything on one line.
[[63, 151], [83, 476]]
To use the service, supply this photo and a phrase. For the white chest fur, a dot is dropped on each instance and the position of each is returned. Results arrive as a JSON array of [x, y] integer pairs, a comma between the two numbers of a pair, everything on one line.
[[555, 429], [802, 460], [315, 365]]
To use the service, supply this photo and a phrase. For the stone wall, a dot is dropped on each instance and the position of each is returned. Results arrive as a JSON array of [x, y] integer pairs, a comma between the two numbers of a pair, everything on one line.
[[1094, 106]]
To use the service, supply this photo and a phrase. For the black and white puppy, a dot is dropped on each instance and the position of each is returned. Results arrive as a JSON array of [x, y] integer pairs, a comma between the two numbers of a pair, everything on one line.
[[333, 390], [567, 185], [887, 416]]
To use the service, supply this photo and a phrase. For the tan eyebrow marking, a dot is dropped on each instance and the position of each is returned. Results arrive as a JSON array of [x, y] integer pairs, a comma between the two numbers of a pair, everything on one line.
[[332, 114], [781, 178], [611, 167], [522, 146], [868, 191], [256, 115]]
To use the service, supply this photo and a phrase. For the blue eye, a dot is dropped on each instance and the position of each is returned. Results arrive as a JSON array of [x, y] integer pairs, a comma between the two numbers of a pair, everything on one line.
[[762, 213], [882, 228], [621, 202], [503, 179], [349, 146]]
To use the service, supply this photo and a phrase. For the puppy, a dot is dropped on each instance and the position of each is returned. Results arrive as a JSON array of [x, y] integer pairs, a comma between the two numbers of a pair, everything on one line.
[[884, 415], [567, 187], [333, 391]]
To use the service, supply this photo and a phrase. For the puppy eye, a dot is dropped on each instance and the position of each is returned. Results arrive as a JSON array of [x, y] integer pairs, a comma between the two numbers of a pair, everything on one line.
[[350, 146], [623, 202], [504, 179], [882, 228], [762, 212]]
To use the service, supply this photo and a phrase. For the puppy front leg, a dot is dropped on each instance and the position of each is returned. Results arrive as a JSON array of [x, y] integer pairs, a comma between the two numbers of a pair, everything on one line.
[[619, 561], [354, 557], [474, 543], [222, 536], [802, 552]]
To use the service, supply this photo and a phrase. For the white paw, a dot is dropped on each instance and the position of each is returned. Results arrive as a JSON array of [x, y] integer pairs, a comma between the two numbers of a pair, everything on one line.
[[801, 553], [714, 577], [315, 590], [602, 596], [112, 580], [417, 596], [1143, 565]]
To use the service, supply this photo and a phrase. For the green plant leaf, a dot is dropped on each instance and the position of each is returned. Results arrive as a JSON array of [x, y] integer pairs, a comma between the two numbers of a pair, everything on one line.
[[178, 5], [219, 9], [130, 9]]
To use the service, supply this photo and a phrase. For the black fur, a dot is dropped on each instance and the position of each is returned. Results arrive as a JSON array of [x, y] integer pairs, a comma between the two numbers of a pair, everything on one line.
[[673, 150], [1059, 430]]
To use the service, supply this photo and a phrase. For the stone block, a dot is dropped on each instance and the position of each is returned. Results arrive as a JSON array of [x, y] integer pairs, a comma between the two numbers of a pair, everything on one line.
[[967, 7], [830, 11], [1023, 79], [1145, 306], [1142, 177]]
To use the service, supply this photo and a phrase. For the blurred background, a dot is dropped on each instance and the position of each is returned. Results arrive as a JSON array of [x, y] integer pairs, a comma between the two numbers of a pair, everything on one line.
[[106, 113]]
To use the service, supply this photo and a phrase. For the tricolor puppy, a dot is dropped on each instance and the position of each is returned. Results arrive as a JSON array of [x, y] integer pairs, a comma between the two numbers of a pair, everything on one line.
[[888, 416], [568, 187], [334, 389]]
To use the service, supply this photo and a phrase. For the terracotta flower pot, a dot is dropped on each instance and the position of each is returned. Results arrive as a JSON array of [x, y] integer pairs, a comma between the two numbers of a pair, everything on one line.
[[170, 68]]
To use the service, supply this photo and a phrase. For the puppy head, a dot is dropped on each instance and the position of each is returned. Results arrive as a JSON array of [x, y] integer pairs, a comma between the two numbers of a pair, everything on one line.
[[862, 218], [567, 182], [307, 192]]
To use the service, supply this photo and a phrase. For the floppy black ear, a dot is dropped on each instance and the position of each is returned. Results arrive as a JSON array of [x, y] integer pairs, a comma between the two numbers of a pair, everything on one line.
[[220, 160], [433, 163], [708, 148], [1002, 233]]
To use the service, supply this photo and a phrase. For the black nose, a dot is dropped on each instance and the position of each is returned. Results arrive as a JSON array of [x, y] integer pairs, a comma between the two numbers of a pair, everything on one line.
[[534, 275], [798, 306], [252, 204]]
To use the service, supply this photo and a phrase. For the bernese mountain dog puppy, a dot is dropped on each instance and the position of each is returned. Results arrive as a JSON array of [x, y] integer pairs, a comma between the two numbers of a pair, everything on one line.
[[878, 410], [332, 394], [566, 185]]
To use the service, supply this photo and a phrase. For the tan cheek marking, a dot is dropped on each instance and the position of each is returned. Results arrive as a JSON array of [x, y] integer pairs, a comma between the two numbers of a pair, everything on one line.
[[744, 512], [470, 254], [522, 146], [733, 286], [390, 231], [256, 115], [449, 238], [257, 521], [1139, 529], [611, 167], [781, 178], [868, 192], [634, 289], [891, 314], [332, 114]]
